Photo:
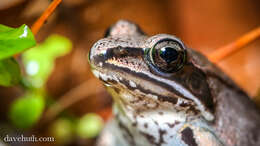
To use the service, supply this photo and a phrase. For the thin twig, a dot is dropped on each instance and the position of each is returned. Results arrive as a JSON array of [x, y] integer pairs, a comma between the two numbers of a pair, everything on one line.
[[82, 91], [40, 21], [235, 46]]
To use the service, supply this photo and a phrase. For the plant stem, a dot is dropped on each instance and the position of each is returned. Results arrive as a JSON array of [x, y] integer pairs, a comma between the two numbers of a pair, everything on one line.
[[45, 15], [229, 49]]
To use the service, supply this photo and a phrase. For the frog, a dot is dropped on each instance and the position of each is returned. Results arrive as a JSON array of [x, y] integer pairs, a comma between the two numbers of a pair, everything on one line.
[[167, 94]]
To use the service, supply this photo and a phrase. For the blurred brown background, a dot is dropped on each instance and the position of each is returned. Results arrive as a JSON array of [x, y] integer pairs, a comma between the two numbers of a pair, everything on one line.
[[202, 24]]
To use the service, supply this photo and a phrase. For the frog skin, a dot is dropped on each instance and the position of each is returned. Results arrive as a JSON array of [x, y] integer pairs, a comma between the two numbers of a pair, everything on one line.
[[166, 94]]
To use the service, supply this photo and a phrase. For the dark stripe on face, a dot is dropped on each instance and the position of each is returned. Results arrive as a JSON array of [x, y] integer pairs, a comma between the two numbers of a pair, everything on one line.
[[146, 78], [190, 77], [120, 52], [187, 137]]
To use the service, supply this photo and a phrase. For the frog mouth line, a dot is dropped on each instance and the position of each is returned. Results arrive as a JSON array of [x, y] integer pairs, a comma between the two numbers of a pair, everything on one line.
[[112, 67], [109, 82], [101, 64]]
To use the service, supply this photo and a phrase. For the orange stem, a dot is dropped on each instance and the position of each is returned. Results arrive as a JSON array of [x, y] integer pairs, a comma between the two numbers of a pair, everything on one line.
[[235, 46], [38, 24]]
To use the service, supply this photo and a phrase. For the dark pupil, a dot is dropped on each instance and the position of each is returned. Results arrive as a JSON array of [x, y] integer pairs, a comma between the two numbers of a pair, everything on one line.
[[168, 54]]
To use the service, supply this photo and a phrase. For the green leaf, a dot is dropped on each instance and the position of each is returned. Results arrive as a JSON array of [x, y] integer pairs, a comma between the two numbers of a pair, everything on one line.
[[26, 110], [15, 40], [89, 126], [9, 72], [39, 61]]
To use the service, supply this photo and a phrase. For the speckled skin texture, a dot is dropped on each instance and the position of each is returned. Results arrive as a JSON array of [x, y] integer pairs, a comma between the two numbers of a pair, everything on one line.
[[196, 106]]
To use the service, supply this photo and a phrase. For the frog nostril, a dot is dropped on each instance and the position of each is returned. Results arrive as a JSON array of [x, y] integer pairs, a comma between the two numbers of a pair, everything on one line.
[[120, 51]]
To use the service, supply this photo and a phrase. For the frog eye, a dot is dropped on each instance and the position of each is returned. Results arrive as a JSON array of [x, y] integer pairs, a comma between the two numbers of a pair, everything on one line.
[[168, 55]]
